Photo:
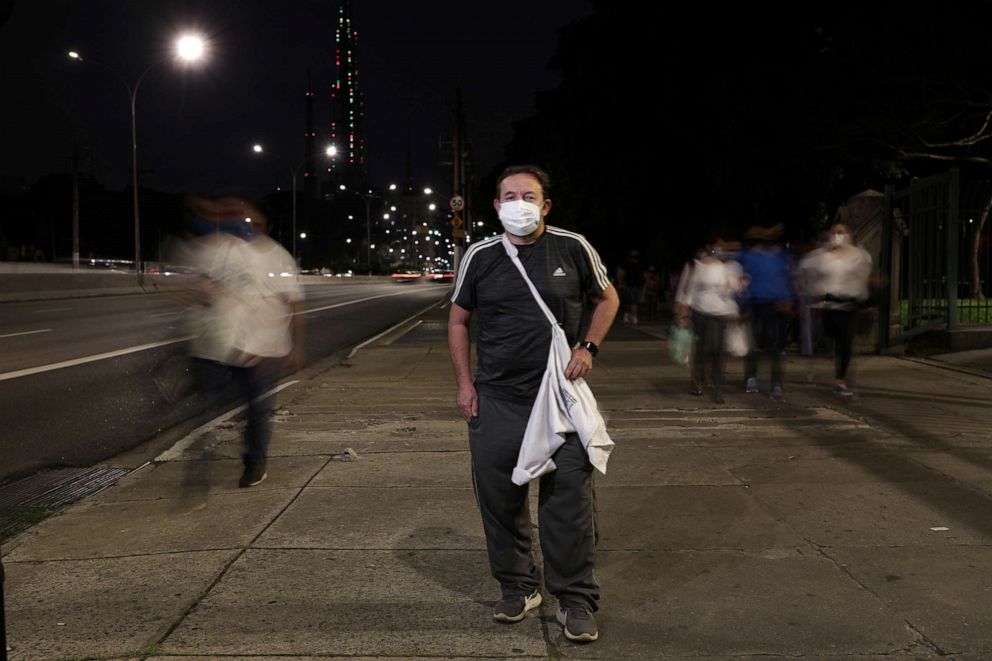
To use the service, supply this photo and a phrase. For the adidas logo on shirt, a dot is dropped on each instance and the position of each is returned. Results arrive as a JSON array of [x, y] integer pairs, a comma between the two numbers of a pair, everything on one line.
[[559, 273]]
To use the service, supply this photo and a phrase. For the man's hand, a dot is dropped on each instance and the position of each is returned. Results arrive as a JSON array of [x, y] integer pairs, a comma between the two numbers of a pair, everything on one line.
[[579, 365], [468, 402]]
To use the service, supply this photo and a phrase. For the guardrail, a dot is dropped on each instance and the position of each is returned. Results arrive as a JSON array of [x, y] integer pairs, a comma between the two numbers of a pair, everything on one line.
[[45, 286]]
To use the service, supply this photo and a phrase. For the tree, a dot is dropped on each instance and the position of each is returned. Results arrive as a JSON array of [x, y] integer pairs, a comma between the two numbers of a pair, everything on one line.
[[664, 128]]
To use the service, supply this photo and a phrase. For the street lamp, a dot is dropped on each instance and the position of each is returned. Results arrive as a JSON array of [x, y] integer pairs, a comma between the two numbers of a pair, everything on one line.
[[188, 48], [368, 197], [331, 150]]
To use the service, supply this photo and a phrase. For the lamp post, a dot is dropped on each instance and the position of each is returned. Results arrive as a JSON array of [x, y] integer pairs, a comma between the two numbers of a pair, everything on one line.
[[331, 150], [189, 48], [368, 197]]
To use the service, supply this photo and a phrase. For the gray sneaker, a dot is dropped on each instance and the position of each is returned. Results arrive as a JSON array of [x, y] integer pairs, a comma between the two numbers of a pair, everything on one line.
[[842, 391], [513, 609], [254, 474], [579, 624]]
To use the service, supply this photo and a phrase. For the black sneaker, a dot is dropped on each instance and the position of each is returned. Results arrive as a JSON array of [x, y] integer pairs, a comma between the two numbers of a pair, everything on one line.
[[579, 624], [254, 474], [513, 609]]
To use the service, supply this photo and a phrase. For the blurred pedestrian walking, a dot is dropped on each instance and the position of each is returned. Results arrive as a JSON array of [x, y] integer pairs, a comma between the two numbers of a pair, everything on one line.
[[768, 303], [706, 300], [838, 278], [250, 317]]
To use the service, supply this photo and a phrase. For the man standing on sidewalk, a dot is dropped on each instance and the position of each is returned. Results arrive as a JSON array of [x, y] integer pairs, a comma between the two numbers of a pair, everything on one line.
[[512, 349]]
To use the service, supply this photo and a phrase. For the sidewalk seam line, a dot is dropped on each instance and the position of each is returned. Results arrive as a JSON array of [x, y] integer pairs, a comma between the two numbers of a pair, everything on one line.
[[921, 637], [237, 556]]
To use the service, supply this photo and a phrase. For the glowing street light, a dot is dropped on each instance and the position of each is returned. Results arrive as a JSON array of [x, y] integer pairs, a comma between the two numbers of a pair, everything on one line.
[[392, 186], [189, 48], [293, 172], [428, 191]]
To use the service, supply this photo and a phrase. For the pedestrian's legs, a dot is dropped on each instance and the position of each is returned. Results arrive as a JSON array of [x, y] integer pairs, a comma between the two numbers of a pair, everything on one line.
[[805, 328], [253, 383], [845, 323], [567, 521], [755, 328], [837, 325], [778, 321], [700, 329], [494, 438], [717, 352]]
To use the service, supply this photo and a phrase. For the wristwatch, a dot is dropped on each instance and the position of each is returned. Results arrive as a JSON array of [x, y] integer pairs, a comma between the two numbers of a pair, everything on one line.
[[589, 346]]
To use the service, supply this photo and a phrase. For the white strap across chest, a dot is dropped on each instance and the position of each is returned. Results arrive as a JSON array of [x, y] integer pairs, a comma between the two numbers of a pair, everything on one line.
[[511, 251]]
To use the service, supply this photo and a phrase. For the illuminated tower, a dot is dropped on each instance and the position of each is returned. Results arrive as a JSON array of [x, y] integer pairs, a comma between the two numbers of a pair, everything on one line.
[[309, 145], [347, 103]]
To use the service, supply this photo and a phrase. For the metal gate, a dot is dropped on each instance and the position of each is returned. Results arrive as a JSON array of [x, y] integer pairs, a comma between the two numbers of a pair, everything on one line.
[[936, 253]]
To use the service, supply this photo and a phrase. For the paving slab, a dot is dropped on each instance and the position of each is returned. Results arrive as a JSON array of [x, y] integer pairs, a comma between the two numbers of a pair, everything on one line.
[[961, 464], [728, 604], [379, 518], [379, 603], [304, 444], [323, 657], [405, 469], [642, 464], [881, 514], [209, 477], [412, 426], [943, 592], [861, 468], [102, 608], [694, 517], [192, 523]]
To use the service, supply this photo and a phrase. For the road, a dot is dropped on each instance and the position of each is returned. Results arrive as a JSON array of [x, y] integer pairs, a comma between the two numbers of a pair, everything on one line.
[[82, 380]]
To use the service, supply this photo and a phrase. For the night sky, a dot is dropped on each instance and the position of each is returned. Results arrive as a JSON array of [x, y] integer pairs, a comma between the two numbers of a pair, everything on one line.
[[196, 123]]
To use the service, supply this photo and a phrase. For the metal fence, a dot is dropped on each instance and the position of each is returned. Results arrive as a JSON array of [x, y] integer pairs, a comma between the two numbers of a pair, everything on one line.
[[936, 250]]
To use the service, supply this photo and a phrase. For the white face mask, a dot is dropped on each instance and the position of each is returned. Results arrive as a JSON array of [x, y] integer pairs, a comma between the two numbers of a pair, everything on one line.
[[839, 239], [520, 217]]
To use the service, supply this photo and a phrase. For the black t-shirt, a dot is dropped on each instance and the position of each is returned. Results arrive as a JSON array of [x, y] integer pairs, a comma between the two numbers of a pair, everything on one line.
[[514, 334]]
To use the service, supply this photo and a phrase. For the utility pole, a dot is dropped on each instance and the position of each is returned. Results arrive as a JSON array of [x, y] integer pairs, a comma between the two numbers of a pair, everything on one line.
[[458, 230], [75, 207]]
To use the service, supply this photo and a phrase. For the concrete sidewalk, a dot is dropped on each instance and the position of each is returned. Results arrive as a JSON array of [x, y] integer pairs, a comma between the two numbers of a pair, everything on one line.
[[817, 528]]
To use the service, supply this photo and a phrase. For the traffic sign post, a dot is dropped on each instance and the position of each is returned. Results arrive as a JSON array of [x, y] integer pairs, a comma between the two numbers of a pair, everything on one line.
[[457, 230]]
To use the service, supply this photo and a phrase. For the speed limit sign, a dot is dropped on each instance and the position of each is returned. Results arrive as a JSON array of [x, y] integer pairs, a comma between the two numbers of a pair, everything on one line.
[[457, 203]]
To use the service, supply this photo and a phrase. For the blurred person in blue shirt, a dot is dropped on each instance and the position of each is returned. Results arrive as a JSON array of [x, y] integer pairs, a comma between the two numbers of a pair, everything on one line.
[[768, 299]]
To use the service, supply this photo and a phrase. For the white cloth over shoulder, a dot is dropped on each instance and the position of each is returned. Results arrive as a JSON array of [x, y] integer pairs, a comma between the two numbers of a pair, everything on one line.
[[562, 406]]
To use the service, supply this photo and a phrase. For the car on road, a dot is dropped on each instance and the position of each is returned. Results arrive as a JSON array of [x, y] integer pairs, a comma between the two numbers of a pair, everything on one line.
[[406, 276], [444, 277]]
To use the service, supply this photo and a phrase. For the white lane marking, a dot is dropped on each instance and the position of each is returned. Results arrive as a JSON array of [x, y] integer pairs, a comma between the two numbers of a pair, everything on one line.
[[183, 444], [361, 300], [52, 310], [88, 359], [389, 330], [43, 330]]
